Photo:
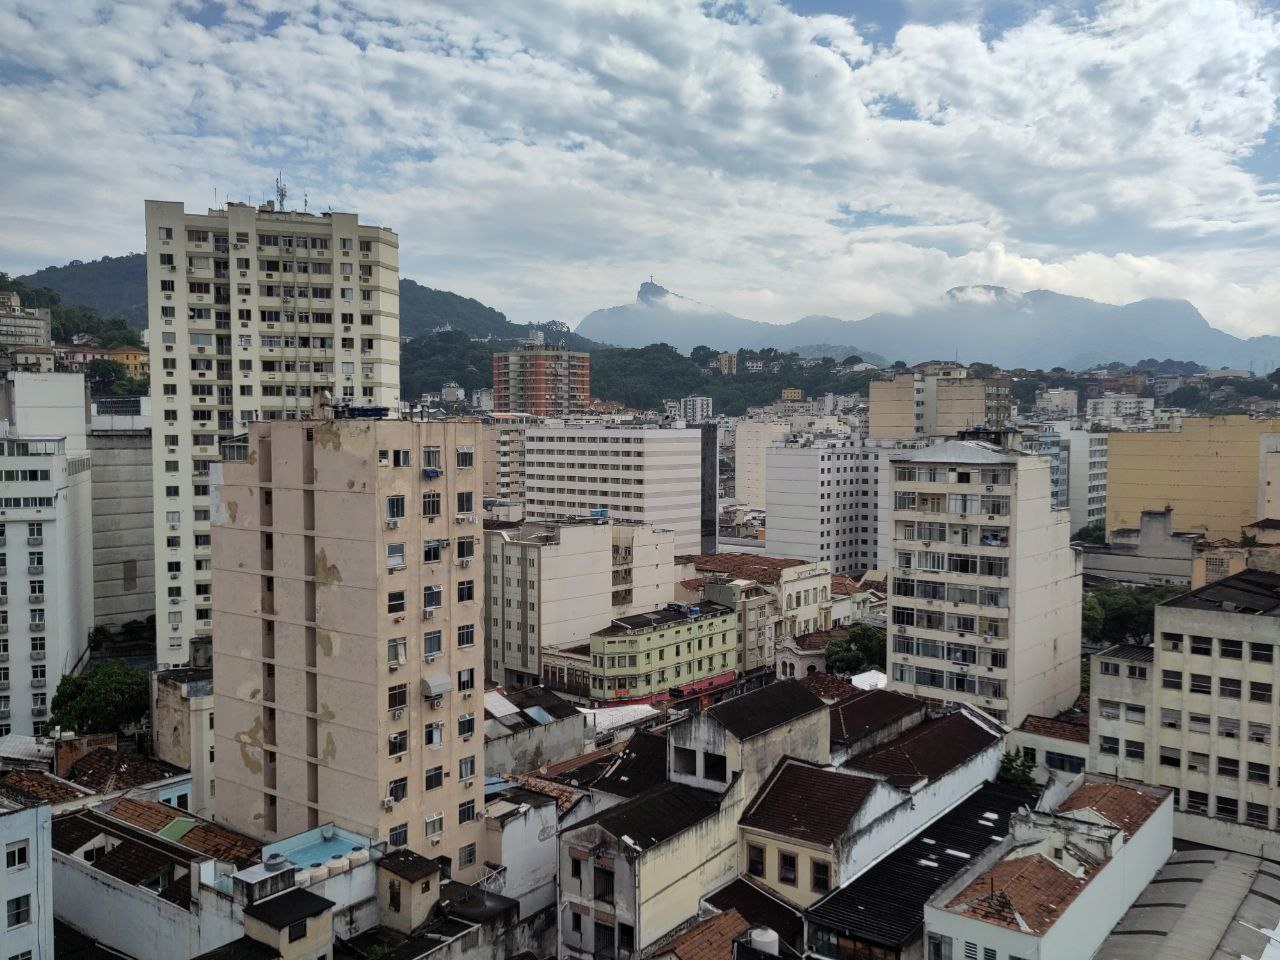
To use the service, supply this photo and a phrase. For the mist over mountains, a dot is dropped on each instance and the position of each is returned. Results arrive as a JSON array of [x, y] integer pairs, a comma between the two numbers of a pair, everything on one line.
[[991, 324]]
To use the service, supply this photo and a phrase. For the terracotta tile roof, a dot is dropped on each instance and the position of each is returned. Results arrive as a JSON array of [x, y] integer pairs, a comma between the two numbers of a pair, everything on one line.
[[103, 770], [929, 750], [1127, 805], [573, 763], [712, 939], [842, 586], [1058, 729], [829, 688], [71, 831], [133, 862], [696, 583], [867, 711], [564, 795], [1022, 893], [207, 838], [145, 814], [744, 566], [807, 803], [214, 840], [818, 639], [42, 786]]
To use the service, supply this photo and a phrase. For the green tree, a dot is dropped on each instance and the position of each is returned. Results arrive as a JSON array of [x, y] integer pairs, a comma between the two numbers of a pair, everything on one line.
[[1188, 397], [862, 648], [104, 699], [103, 375], [1017, 770], [1123, 614], [1095, 533], [702, 355]]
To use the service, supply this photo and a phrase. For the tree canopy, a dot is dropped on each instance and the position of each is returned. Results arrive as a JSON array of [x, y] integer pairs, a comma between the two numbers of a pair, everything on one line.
[[1116, 614], [862, 649], [104, 699]]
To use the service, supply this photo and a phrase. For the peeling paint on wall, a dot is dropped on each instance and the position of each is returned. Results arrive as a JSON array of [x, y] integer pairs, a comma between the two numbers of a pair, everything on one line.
[[250, 741], [327, 573], [327, 434], [326, 715], [233, 507], [326, 642]]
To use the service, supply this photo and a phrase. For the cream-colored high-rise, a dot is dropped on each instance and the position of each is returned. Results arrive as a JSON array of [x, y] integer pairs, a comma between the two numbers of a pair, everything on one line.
[[348, 650], [251, 312]]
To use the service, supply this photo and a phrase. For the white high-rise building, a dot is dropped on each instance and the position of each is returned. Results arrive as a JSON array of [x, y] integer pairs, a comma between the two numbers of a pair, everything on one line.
[[26, 878], [551, 584], [985, 588], [824, 499], [1085, 453], [695, 409], [655, 476], [46, 543], [252, 312]]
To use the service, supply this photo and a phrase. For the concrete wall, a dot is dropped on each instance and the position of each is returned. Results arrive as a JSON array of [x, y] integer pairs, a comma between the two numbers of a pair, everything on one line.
[[526, 844], [1208, 472], [527, 750], [123, 537], [751, 442]]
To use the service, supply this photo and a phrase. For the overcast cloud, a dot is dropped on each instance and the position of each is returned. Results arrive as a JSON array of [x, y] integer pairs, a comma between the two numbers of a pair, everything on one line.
[[544, 156]]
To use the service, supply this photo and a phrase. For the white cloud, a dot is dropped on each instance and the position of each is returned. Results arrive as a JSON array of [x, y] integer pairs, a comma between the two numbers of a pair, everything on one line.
[[545, 157]]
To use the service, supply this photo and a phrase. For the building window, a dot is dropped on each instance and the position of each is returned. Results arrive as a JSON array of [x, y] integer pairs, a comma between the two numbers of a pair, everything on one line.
[[1170, 757], [1063, 761], [1261, 652], [401, 458], [398, 789], [395, 601], [398, 742], [433, 734], [1202, 646], [435, 825], [467, 768], [18, 911], [1259, 692], [466, 590], [1230, 649], [821, 876], [787, 868], [397, 651], [1229, 767], [714, 766], [1257, 814], [434, 778], [685, 761], [432, 597], [939, 947], [466, 501], [467, 855], [393, 895], [467, 679], [1171, 679], [1135, 750], [297, 931], [1137, 672], [395, 507], [1229, 688], [466, 811], [431, 643], [466, 724], [397, 696], [467, 635], [399, 835], [465, 457], [1201, 683], [395, 556], [1109, 745], [755, 860], [1228, 808], [431, 504], [15, 855], [1109, 669]]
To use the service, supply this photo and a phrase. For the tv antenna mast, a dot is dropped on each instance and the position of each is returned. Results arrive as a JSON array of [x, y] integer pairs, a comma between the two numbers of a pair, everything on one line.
[[281, 192]]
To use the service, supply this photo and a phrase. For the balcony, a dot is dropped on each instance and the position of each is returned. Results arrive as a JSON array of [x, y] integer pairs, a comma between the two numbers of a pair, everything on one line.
[[35, 599], [37, 683], [4, 714], [35, 541], [36, 568], [37, 654], [38, 711]]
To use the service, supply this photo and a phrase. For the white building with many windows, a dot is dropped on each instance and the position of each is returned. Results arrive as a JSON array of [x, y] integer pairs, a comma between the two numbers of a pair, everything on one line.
[[252, 313], [655, 476], [985, 588], [824, 496], [46, 543]]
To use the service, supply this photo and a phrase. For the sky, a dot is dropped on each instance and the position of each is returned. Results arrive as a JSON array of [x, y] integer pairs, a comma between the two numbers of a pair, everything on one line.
[[775, 159]]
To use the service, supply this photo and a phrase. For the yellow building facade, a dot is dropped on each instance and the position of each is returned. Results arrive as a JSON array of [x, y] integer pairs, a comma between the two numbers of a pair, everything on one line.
[[1213, 472]]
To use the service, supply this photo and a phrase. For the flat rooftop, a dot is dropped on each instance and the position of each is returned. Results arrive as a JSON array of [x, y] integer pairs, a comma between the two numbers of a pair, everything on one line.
[[667, 616], [1250, 591]]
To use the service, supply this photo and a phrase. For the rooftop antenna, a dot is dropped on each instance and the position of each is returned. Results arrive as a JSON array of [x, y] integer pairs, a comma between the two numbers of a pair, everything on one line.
[[281, 191], [304, 201]]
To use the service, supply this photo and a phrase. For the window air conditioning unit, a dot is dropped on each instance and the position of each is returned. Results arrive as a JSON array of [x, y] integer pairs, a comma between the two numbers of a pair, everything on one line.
[[437, 703], [388, 803], [428, 613], [431, 657], [397, 713], [393, 524]]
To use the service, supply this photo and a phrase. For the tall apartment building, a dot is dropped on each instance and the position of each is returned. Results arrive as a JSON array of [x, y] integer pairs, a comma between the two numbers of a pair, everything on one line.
[[826, 501], [1084, 453], [656, 476], [348, 664], [252, 313], [46, 543], [26, 895], [542, 380], [752, 440], [124, 586], [695, 409], [1213, 472], [984, 604], [1198, 710], [936, 400], [504, 454], [554, 582], [1119, 407]]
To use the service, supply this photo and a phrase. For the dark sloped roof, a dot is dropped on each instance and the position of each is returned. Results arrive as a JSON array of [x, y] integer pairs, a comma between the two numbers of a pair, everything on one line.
[[867, 711], [72, 831], [41, 786], [132, 862], [526, 697], [641, 765], [760, 908], [246, 948], [885, 904], [657, 814], [805, 802], [762, 710], [927, 751], [410, 866], [1137, 652], [828, 687], [103, 770], [1249, 591], [287, 908]]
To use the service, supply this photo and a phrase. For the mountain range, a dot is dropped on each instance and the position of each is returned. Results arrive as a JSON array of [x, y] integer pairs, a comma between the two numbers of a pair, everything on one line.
[[991, 324], [996, 325]]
